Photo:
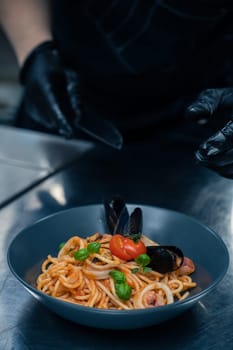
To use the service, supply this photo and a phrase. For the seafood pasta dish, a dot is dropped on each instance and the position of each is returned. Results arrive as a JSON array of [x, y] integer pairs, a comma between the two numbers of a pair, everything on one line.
[[122, 269], [101, 279]]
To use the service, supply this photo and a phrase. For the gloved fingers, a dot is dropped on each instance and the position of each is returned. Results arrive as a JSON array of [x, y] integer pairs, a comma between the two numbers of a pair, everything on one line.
[[34, 113], [227, 99], [73, 92], [57, 104], [205, 105], [217, 150], [89, 123], [45, 89]]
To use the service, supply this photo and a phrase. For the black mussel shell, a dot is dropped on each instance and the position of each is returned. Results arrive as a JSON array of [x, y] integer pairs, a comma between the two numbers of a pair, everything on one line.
[[119, 221], [118, 204], [122, 222], [135, 222], [113, 210], [165, 258], [130, 226]]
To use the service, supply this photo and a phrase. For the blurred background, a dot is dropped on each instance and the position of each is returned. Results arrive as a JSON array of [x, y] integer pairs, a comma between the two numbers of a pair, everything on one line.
[[10, 90]]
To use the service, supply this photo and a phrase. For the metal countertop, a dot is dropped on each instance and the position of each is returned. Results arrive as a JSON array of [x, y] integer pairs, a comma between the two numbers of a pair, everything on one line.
[[160, 171], [27, 158]]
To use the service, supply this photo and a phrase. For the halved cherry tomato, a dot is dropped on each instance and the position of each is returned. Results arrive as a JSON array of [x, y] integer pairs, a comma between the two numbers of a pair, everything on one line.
[[125, 248]]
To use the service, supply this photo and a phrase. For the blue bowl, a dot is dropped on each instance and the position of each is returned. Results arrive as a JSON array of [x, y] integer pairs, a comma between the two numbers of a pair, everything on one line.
[[31, 246]]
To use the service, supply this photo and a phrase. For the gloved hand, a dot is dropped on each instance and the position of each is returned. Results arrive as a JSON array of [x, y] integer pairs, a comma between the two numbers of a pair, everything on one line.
[[217, 151], [52, 99]]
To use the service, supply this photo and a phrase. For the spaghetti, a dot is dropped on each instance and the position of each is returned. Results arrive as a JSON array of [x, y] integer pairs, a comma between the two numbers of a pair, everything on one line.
[[89, 282]]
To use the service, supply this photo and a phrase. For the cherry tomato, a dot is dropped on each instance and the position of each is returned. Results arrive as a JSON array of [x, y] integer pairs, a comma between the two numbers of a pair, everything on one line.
[[125, 248]]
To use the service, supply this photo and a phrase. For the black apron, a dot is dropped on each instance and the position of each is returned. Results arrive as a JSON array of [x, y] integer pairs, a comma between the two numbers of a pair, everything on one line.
[[142, 62]]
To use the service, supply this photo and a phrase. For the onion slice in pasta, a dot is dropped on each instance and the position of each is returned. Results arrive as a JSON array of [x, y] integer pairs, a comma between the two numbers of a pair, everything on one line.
[[97, 275], [138, 299]]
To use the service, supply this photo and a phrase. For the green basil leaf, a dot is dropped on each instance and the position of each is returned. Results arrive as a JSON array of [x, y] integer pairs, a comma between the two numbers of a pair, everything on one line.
[[93, 247], [118, 276], [143, 259], [81, 254], [123, 290]]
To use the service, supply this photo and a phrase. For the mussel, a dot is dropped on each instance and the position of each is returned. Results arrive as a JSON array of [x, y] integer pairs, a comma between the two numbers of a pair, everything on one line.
[[165, 258], [113, 210], [120, 221]]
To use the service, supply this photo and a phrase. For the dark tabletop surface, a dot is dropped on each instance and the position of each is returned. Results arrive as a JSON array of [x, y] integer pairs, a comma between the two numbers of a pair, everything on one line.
[[159, 171]]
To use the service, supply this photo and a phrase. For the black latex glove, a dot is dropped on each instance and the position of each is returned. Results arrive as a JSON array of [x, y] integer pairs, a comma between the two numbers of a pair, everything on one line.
[[52, 99], [217, 151]]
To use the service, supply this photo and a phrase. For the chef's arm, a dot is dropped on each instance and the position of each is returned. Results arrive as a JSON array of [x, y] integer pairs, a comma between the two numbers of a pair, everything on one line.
[[52, 95], [26, 24]]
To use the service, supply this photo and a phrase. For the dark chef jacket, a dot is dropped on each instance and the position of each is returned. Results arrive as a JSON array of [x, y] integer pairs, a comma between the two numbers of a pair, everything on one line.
[[144, 60]]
